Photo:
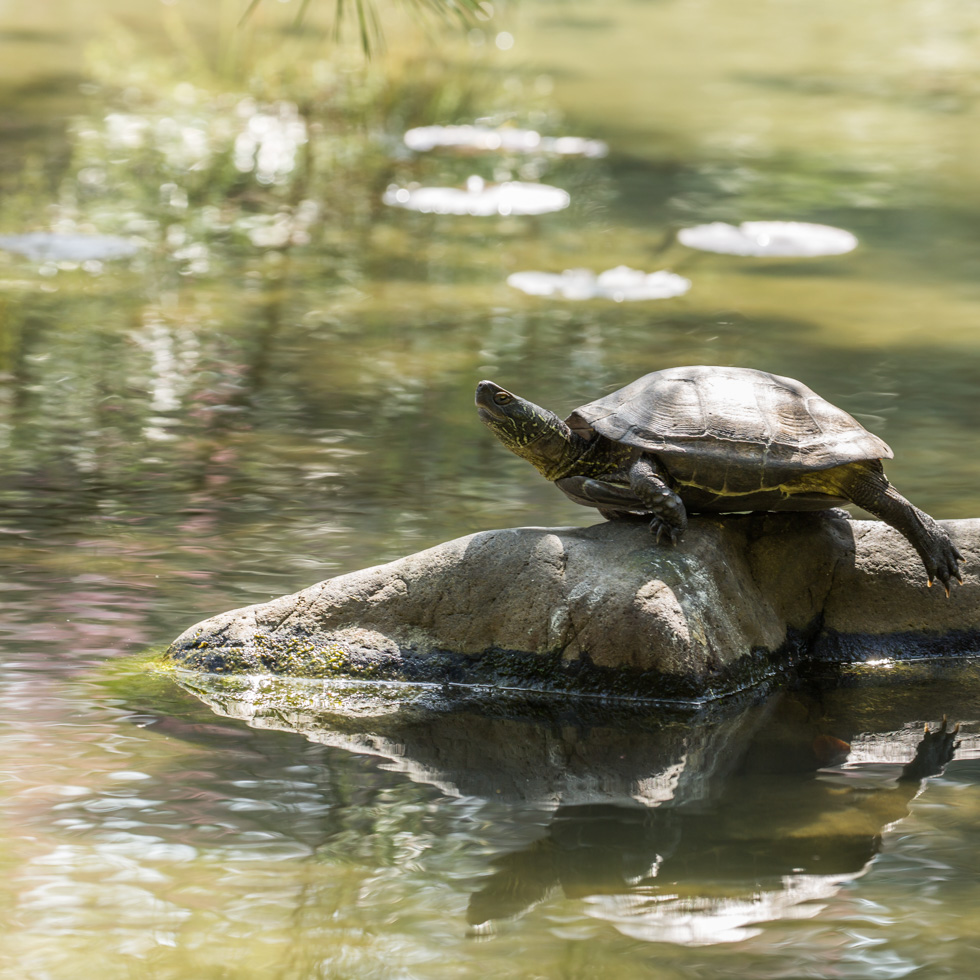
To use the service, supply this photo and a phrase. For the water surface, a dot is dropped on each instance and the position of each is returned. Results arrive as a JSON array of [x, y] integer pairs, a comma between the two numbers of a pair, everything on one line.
[[276, 386]]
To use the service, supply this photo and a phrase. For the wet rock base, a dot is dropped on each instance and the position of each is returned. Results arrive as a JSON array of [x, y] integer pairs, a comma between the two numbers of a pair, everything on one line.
[[604, 611]]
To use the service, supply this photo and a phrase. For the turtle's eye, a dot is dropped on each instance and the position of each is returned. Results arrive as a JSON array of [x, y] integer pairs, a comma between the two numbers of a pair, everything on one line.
[[502, 398]]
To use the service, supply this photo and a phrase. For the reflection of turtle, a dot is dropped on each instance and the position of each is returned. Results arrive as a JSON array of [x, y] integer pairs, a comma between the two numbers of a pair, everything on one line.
[[712, 439], [681, 866]]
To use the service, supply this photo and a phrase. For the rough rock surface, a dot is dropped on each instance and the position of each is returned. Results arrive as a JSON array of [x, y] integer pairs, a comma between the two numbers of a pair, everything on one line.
[[604, 610]]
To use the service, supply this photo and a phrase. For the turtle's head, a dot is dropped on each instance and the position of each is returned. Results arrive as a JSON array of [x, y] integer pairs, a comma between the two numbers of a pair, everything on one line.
[[532, 432]]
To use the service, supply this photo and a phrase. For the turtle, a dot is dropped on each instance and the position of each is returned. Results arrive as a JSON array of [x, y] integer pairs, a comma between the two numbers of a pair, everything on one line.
[[713, 439]]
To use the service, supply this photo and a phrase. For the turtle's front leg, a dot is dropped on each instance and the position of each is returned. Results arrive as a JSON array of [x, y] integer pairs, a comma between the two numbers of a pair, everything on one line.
[[648, 482]]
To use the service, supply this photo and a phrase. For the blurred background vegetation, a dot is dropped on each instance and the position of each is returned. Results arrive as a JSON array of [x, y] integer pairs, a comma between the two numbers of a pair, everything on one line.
[[286, 365]]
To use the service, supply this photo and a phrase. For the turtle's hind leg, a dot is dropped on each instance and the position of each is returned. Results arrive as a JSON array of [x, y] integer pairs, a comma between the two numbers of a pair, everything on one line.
[[869, 488]]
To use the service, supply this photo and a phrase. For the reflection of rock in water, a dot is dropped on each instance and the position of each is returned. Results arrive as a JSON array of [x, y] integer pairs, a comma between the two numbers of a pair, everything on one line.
[[502, 746], [689, 875], [672, 826]]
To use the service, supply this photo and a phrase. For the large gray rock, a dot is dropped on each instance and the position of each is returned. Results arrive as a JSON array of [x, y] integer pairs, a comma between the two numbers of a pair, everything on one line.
[[604, 610]]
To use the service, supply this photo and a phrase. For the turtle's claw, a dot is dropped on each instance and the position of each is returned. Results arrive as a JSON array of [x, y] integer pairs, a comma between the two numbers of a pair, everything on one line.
[[663, 532], [934, 750], [943, 565]]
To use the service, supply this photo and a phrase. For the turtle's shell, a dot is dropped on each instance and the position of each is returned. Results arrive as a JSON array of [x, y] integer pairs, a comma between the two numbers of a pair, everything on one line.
[[732, 429]]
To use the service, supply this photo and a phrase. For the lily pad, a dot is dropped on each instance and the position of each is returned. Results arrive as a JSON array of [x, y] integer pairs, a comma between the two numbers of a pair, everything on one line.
[[479, 198], [44, 246], [769, 238], [488, 139], [619, 284]]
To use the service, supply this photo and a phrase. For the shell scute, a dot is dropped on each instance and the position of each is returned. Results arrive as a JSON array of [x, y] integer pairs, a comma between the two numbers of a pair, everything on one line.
[[715, 420]]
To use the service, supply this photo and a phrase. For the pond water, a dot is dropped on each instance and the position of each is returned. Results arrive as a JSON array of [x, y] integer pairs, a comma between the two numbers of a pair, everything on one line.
[[243, 373]]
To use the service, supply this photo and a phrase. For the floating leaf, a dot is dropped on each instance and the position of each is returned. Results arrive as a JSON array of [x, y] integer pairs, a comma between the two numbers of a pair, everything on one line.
[[619, 284], [44, 246], [479, 198], [487, 139], [769, 238]]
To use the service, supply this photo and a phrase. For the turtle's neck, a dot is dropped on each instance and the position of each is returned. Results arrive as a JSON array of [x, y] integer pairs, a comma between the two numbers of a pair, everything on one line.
[[556, 452]]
